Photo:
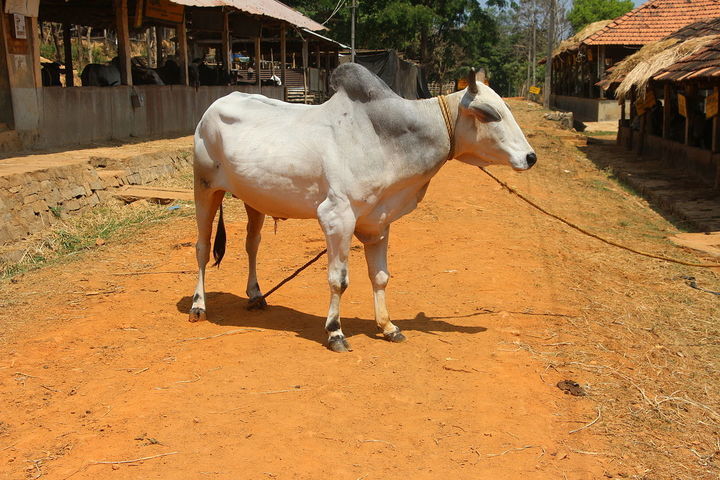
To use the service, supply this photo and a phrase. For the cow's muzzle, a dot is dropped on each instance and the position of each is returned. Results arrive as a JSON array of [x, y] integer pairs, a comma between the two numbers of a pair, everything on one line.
[[531, 159]]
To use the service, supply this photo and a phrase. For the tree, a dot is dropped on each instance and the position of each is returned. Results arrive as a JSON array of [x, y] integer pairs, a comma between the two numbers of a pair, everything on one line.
[[585, 12]]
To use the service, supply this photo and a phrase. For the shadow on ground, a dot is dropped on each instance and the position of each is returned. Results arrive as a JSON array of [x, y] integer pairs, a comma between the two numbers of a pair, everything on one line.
[[678, 196], [227, 309]]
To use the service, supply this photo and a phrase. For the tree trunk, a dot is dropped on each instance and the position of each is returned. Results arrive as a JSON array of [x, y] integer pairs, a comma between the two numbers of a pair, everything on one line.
[[55, 33], [89, 46]]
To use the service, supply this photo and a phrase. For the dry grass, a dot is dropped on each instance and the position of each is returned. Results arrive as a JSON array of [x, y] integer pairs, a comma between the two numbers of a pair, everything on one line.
[[637, 70], [110, 222], [646, 345]]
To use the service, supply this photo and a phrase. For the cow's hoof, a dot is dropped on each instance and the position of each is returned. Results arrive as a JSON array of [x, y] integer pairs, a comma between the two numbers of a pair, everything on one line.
[[395, 337], [197, 315], [257, 303], [339, 344]]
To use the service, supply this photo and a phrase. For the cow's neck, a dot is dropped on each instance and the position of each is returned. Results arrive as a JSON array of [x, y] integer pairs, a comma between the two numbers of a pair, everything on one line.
[[442, 123]]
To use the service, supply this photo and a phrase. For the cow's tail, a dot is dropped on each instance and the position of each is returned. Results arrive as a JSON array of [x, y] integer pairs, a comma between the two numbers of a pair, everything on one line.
[[220, 240]]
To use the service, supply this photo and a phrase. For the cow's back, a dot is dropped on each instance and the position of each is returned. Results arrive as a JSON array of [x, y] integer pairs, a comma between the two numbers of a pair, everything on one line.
[[264, 151]]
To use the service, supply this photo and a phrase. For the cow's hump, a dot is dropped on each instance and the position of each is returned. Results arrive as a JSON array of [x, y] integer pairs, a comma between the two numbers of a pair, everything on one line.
[[359, 83]]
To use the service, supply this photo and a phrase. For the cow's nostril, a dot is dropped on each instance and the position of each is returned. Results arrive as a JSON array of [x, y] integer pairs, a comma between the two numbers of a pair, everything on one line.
[[531, 159]]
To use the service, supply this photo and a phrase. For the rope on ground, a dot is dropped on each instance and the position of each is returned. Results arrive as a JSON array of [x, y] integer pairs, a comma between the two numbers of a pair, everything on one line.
[[257, 300], [590, 234]]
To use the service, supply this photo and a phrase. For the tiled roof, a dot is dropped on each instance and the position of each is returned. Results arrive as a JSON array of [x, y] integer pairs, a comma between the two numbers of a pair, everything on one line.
[[704, 64], [654, 20]]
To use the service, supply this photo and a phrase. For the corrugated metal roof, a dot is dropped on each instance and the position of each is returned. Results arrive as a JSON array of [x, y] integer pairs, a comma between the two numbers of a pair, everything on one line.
[[267, 8], [322, 37]]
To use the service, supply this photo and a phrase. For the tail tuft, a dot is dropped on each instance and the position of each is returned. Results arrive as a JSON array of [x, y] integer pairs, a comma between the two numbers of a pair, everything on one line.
[[220, 240]]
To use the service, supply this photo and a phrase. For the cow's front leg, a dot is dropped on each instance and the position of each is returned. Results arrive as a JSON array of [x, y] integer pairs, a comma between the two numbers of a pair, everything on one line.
[[252, 243], [338, 223], [376, 257]]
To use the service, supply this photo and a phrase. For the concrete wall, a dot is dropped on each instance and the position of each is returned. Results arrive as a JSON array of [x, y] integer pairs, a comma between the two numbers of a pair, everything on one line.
[[83, 115], [33, 200], [588, 109]]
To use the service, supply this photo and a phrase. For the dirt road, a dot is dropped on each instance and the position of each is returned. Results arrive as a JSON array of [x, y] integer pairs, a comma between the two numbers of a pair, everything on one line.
[[101, 375]]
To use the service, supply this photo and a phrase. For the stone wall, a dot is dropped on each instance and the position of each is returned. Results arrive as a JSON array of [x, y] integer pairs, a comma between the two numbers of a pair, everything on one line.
[[33, 201]]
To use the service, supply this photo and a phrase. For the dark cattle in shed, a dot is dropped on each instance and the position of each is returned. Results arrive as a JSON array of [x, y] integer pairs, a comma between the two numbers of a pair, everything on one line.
[[142, 74], [50, 73], [170, 72], [99, 75]]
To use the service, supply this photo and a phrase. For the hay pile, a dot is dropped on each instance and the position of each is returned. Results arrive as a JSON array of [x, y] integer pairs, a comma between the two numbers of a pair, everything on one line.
[[637, 69]]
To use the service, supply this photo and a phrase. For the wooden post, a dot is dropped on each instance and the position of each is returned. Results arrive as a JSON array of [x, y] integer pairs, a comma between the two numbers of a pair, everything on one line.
[[227, 57], [283, 54], [643, 131], [601, 67], [716, 131], [35, 34], [258, 49], [123, 34], [305, 61], [328, 69], [181, 33], [67, 47], [159, 36], [667, 110]]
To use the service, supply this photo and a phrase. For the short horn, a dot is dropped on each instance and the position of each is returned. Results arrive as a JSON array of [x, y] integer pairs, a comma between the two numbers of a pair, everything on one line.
[[472, 83]]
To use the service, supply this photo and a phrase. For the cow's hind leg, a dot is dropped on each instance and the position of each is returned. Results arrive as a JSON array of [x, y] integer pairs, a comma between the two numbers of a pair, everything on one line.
[[206, 206], [252, 243], [338, 223], [376, 257]]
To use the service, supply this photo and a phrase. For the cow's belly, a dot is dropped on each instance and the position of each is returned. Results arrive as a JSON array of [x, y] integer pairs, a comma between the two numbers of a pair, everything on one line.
[[274, 190]]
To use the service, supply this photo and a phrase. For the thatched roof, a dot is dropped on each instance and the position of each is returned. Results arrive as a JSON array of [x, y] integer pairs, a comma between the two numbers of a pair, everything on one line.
[[640, 67], [573, 43]]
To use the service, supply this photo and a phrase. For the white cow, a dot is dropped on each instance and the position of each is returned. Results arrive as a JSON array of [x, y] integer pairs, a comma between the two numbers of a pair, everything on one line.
[[357, 163]]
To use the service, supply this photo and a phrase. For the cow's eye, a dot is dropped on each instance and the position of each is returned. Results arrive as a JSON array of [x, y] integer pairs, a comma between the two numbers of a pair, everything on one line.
[[486, 112]]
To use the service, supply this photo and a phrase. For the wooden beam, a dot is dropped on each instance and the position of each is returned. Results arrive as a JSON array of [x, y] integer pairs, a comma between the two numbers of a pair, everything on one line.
[[226, 46], [305, 61], [123, 35], [716, 131], [283, 53], [601, 67], [159, 37], [181, 33], [667, 110], [35, 34], [67, 47], [317, 56], [258, 50]]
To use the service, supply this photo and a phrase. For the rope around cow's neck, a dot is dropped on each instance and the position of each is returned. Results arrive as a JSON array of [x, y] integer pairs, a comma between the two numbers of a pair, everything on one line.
[[445, 110]]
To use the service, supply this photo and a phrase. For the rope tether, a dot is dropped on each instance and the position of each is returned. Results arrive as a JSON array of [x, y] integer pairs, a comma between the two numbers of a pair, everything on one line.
[[590, 234]]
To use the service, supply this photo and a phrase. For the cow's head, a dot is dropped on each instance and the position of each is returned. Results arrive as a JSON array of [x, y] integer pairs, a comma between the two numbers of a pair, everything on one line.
[[486, 132]]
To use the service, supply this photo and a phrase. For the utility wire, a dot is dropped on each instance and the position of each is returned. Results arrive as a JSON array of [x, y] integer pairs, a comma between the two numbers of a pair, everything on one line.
[[340, 4]]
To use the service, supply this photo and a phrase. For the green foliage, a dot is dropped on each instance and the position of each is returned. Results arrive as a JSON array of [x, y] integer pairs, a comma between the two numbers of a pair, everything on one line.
[[448, 36], [585, 12]]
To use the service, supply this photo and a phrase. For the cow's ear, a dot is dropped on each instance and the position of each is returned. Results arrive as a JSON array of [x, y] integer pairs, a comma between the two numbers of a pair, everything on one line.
[[485, 112], [472, 83]]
